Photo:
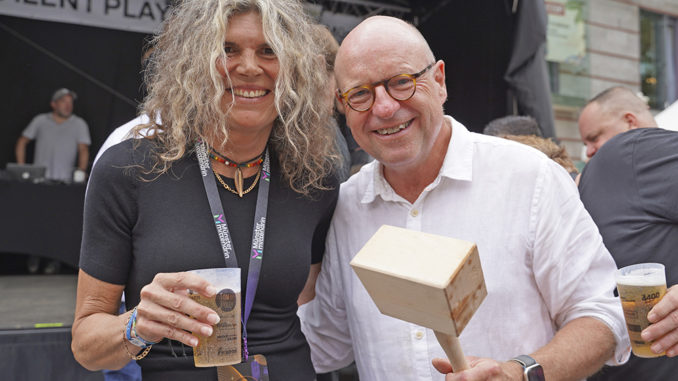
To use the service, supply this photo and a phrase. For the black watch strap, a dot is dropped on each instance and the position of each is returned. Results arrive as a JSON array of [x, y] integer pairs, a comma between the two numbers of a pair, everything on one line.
[[532, 371]]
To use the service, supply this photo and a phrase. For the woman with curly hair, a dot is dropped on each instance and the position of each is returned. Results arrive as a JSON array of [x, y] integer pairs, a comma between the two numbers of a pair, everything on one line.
[[240, 160]]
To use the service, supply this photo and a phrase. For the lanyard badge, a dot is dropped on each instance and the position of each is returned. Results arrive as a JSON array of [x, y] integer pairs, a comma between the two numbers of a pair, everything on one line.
[[257, 248]]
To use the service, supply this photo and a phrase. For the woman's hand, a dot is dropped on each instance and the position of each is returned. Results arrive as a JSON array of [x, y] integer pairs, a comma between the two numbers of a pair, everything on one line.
[[166, 310]]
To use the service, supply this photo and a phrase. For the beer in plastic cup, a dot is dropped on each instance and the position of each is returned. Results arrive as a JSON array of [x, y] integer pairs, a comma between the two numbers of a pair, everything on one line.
[[640, 287], [224, 346]]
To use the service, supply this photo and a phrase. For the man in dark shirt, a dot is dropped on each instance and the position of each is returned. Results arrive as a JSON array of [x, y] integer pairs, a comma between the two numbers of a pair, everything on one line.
[[609, 113], [630, 188]]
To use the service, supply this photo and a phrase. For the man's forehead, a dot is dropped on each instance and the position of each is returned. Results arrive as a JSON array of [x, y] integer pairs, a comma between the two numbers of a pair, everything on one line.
[[68, 97], [378, 62], [363, 70]]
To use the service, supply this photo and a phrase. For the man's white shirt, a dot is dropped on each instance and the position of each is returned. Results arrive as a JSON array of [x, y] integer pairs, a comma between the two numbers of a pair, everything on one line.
[[543, 260]]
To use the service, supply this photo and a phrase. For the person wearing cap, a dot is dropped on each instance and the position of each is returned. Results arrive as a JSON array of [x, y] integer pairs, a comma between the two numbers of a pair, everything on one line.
[[60, 136]]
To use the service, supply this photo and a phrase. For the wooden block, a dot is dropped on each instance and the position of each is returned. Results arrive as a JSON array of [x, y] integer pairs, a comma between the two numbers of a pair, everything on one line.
[[427, 279]]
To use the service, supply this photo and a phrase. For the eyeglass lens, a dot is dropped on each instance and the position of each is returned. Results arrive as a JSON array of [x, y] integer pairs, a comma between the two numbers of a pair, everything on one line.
[[401, 87]]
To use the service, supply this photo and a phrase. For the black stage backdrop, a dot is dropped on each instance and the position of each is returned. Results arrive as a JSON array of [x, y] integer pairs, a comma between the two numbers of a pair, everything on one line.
[[476, 39], [38, 57], [495, 64]]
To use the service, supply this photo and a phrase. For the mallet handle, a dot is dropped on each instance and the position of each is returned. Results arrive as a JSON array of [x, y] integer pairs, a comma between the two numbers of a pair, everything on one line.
[[452, 348]]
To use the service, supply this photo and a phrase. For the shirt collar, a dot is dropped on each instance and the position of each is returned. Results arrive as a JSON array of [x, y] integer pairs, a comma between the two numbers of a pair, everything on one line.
[[457, 165]]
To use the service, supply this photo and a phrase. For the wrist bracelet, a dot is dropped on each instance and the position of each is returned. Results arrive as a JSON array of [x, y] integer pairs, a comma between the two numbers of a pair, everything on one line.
[[131, 332], [130, 326]]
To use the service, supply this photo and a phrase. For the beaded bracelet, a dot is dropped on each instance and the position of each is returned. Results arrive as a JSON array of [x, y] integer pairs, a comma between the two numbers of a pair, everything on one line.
[[130, 327]]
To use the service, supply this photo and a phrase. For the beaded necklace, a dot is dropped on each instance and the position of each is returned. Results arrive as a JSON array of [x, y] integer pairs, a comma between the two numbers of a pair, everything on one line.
[[214, 155]]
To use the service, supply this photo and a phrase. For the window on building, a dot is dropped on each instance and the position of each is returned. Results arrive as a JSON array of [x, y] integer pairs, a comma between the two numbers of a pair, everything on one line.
[[658, 59]]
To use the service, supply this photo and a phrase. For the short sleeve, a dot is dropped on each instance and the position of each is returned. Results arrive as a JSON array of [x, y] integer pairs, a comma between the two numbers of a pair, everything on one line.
[[83, 133], [31, 131]]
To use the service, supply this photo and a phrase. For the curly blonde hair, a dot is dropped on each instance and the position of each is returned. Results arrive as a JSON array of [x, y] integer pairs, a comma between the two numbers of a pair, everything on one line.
[[554, 151], [185, 88]]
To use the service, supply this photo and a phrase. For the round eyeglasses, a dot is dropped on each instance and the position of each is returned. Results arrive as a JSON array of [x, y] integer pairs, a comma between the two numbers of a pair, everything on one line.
[[400, 87]]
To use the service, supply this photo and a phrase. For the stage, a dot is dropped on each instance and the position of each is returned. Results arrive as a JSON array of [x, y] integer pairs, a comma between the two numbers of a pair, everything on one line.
[[36, 314], [42, 219]]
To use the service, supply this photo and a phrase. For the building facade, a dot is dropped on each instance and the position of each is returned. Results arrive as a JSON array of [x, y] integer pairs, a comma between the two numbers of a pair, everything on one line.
[[596, 44]]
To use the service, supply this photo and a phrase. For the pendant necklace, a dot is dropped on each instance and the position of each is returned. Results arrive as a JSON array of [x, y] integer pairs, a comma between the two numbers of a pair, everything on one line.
[[238, 180]]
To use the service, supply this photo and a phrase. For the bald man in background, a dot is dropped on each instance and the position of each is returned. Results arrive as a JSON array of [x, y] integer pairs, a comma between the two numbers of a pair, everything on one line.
[[630, 188], [609, 113]]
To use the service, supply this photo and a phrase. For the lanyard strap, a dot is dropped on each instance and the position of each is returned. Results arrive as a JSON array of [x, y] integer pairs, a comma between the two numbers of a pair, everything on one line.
[[257, 252]]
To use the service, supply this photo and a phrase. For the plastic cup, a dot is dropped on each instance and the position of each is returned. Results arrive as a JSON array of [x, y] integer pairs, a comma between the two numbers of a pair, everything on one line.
[[640, 287], [224, 346]]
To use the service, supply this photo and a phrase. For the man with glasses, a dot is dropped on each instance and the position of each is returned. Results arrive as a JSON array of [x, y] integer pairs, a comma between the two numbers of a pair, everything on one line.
[[549, 278]]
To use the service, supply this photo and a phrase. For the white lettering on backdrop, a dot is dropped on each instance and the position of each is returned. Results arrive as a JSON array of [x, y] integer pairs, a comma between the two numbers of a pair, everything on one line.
[[131, 15]]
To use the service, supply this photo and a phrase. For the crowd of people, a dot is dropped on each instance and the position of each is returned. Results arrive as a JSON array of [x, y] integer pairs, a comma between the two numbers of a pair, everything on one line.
[[254, 120]]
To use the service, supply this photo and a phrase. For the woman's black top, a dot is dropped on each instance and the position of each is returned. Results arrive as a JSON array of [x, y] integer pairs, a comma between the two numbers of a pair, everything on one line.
[[136, 226]]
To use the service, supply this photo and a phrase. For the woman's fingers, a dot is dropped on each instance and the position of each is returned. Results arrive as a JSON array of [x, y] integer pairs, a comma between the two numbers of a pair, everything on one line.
[[155, 322], [185, 280], [166, 310], [167, 290]]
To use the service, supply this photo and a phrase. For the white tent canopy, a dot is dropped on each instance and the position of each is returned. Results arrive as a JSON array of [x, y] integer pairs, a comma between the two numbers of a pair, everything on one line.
[[668, 118]]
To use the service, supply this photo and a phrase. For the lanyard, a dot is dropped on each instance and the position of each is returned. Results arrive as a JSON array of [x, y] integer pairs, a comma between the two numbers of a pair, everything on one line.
[[257, 252]]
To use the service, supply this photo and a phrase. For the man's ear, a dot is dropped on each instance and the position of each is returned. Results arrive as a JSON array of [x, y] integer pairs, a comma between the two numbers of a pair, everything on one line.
[[439, 77], [631, 121]]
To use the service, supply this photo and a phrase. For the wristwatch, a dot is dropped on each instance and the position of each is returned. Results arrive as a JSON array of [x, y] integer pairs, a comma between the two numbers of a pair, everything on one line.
[[532, 371]]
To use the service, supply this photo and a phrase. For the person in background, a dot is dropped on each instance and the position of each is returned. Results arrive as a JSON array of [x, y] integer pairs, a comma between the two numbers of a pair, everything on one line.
[[554, 151], [630, 188], [609, 113], [513, 125], [664, 328], [354, 156], [60, 136], [240, 171], [124, 132], [525, 129], [549, 278]]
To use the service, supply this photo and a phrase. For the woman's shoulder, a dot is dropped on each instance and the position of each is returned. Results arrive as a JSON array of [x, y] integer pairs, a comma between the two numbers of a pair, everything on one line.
[[131, 156], [129, 151]]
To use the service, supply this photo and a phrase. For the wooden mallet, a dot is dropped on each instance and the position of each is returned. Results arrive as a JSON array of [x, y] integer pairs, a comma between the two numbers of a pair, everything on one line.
[[426, 279]]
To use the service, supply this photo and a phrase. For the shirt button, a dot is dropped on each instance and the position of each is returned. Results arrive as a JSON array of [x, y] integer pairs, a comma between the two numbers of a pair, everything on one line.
[[414, 212], [419, 335]]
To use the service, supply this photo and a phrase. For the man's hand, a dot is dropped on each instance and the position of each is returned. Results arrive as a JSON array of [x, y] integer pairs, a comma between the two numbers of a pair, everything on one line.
[[664, 328], [481, 369]]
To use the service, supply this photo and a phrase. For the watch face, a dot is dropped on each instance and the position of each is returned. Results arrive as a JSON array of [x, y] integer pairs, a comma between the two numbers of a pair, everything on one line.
[[535, 373]]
